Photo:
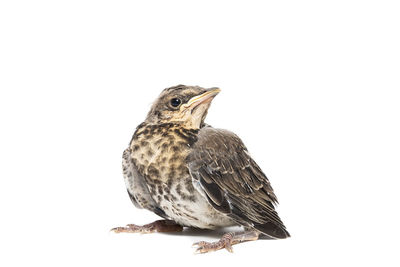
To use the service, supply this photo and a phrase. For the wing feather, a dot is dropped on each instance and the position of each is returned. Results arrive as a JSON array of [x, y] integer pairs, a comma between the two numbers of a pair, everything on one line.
[[233, 182], [136, 186]]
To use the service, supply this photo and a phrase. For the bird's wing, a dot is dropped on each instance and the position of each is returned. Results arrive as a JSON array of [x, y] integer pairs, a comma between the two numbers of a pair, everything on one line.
[[232, 181], [136, 186]]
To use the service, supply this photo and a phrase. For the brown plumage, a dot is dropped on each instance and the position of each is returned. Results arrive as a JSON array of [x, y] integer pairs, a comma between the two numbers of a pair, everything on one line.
[[197, 176], [233, 182]]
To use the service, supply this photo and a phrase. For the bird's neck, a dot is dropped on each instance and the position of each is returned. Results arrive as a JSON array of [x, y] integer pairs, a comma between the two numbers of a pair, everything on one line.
[[166, 130]]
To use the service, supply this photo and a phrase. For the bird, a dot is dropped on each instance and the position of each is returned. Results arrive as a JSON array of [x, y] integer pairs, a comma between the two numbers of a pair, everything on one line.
[[193, 175]]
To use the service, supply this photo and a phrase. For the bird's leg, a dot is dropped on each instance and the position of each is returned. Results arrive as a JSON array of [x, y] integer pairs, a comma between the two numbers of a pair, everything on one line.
[[157, 226], [227, 241]]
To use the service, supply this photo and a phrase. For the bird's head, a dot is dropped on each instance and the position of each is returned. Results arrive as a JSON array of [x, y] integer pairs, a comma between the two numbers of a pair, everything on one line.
[[186, 105]]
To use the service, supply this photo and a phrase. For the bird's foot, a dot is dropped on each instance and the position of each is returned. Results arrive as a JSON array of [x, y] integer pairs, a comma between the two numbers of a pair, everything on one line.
[[154, 227], [226, 241]]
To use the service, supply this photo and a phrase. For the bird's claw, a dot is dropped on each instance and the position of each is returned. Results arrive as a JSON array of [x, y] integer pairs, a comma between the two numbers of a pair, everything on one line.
[[133, 228], [224, 242], [157, 226]]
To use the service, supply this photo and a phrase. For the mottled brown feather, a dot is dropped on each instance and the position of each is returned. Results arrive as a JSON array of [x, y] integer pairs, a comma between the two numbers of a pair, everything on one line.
[[233, 182], [136, 186]]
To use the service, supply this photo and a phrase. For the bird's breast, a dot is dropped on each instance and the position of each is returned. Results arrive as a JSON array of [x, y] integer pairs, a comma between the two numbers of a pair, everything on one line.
[[160, 151]]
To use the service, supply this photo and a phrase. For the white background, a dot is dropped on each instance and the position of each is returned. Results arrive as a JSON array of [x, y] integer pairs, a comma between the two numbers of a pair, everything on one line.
[[312, 88]]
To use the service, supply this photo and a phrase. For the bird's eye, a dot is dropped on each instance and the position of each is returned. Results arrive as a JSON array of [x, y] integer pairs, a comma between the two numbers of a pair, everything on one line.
[[175, 102]]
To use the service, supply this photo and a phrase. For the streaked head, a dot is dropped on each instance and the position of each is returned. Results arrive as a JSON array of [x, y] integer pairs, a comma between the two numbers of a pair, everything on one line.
[[186, 105]]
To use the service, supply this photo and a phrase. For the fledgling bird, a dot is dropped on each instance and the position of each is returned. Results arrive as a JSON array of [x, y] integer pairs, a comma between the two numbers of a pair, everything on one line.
[[194, 175]]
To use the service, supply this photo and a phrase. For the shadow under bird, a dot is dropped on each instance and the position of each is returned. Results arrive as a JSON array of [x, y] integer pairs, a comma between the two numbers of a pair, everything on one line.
[[194, 175]]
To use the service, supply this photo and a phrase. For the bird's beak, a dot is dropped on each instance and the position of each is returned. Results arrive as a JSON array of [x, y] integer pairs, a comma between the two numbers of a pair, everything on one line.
[[202, 98]]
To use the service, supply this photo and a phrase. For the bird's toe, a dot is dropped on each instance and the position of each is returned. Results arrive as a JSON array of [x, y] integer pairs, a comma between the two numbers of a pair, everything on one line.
[[224, 242]]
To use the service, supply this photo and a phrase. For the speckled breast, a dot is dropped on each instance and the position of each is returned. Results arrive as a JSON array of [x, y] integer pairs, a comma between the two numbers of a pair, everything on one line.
[[159, 152]]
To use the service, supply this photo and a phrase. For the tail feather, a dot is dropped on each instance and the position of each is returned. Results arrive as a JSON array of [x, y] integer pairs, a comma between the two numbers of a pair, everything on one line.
[[272, 230]]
